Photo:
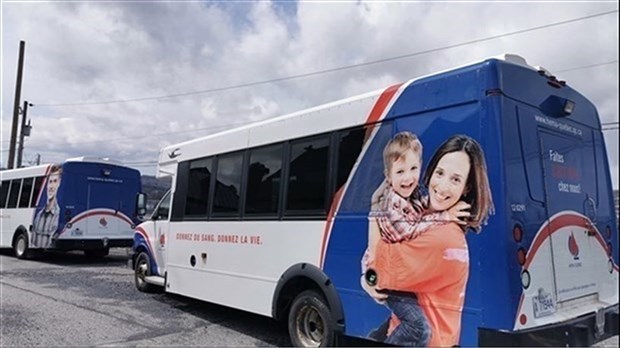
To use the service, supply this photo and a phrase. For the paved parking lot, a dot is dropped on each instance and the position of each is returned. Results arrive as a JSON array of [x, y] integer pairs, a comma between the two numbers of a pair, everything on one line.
[[70, 300]]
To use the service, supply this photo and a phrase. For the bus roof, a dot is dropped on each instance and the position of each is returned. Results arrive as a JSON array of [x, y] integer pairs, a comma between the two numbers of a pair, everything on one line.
[[336, 115]]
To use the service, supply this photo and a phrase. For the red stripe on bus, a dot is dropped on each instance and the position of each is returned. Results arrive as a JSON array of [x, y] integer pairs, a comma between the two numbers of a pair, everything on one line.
[[329, 223], [375, 115], [47, 172], [96, 213], [379, 108], [553, 226]]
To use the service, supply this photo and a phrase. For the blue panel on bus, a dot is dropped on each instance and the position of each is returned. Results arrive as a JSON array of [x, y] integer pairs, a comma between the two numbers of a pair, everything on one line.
[[537, 160]]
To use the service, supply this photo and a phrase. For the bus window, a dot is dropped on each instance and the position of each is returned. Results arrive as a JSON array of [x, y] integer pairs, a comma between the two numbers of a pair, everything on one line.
[[38, 182], [24, 198], [264, 179], [14, 194], [4, 192], [228, 185], [199, 180], [307, 180], [349, 147], [163, 209]]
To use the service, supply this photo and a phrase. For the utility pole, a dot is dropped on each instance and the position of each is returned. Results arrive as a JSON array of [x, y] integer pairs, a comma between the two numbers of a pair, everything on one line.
[[18, 92], [24, 132]]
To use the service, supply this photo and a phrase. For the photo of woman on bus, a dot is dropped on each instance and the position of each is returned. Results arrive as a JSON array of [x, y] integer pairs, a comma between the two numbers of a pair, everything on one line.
[[432, 268]]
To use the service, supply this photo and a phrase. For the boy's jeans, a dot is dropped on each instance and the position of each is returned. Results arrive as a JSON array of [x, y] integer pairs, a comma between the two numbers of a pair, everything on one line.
[[413, 330]]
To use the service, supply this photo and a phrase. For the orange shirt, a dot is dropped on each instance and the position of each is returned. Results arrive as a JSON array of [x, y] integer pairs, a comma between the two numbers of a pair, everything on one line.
[[435, 266]]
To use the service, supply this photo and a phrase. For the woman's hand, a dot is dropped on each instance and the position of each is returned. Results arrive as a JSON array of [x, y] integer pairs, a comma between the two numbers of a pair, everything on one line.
[[372, 291], [459, 212], [377, 196]]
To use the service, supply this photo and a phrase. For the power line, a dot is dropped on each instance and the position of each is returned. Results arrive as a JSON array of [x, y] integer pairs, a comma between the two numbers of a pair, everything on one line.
[[318, 72], [586, 66], [241, 123]]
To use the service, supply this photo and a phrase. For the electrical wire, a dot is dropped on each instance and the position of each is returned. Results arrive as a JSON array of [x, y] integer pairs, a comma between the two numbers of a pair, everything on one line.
[[331, 70]]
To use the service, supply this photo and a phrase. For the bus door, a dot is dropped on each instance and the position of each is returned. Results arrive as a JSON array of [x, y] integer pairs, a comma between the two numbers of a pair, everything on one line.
[[161, 228], [569, 171], [103, 202]]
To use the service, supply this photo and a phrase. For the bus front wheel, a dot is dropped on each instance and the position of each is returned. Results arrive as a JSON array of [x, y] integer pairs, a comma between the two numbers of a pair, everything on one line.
[[142, 270], [21, 247], [309, 321]]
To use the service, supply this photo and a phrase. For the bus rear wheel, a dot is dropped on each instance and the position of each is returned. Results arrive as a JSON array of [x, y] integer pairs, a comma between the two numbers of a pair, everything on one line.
[[142, 270], [21, 247], [310, 321]]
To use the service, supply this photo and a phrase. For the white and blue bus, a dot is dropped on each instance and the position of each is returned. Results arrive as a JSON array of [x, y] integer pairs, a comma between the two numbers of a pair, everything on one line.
[[286, 217], [83, 203]]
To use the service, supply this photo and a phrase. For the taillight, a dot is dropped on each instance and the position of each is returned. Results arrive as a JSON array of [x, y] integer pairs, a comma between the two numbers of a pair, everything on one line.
[[517, 233], [521, 256]]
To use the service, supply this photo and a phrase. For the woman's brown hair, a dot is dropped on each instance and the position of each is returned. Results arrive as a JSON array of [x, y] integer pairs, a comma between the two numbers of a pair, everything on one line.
[[477, 190]]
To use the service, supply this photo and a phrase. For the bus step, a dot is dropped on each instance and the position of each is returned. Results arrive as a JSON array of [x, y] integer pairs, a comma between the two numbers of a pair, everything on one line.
[[156, 280]]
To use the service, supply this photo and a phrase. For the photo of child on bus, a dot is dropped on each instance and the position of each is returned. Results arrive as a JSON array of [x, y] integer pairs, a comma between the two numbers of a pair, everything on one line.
[[48, 211], [417, 261]]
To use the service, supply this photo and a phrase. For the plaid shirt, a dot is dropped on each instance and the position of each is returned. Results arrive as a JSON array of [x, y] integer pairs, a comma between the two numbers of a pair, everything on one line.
[[399, 220]]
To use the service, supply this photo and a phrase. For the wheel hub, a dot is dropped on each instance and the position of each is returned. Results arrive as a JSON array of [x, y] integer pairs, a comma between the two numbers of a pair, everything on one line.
[[310, 327]]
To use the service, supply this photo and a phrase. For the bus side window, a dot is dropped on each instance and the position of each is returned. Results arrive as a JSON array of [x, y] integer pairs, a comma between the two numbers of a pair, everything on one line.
[[24, 199], [38, 183], [4, 193], [307, 179], [264, 181], [228, 185], [350, 143], [198, 182], [164, 208], [14, 194]]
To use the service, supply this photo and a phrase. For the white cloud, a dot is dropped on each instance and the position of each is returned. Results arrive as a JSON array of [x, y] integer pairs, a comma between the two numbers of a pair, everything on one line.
[[97, 51]]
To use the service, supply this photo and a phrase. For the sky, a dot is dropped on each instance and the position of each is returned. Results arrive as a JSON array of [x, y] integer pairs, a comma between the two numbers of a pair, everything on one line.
[[123, 79]]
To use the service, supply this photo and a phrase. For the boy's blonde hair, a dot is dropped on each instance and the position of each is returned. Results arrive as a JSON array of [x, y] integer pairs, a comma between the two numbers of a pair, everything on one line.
[[396, 148]]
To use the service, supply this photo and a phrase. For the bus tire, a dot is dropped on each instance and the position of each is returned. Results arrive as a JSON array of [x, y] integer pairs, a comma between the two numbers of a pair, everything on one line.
[[309, 321], [142, 269], [21, 247]]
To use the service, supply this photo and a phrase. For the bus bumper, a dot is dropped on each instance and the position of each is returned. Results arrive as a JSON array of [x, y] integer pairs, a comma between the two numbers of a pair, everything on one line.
[[582, 331], [91, 244]]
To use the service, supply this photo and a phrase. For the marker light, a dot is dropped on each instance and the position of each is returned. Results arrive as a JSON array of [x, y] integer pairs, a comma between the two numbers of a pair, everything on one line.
[[523, 319], [569, 106], [517, 233], [521, 256]]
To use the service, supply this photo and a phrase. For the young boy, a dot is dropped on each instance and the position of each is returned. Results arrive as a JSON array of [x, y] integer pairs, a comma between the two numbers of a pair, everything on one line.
[[398, 207]]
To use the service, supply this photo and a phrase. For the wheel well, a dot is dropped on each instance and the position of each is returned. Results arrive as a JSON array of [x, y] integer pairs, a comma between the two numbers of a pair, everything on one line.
[[19, 230], [301, 277], [290, 290]]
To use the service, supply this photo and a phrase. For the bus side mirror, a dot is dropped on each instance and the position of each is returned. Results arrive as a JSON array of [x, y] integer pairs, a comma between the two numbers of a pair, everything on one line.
[[141, 205]]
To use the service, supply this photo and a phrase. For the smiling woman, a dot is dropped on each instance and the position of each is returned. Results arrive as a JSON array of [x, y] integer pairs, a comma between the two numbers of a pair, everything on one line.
[[424, 276]]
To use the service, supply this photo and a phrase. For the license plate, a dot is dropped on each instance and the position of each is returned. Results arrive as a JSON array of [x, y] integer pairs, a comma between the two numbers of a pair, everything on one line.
[[543, 304]]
